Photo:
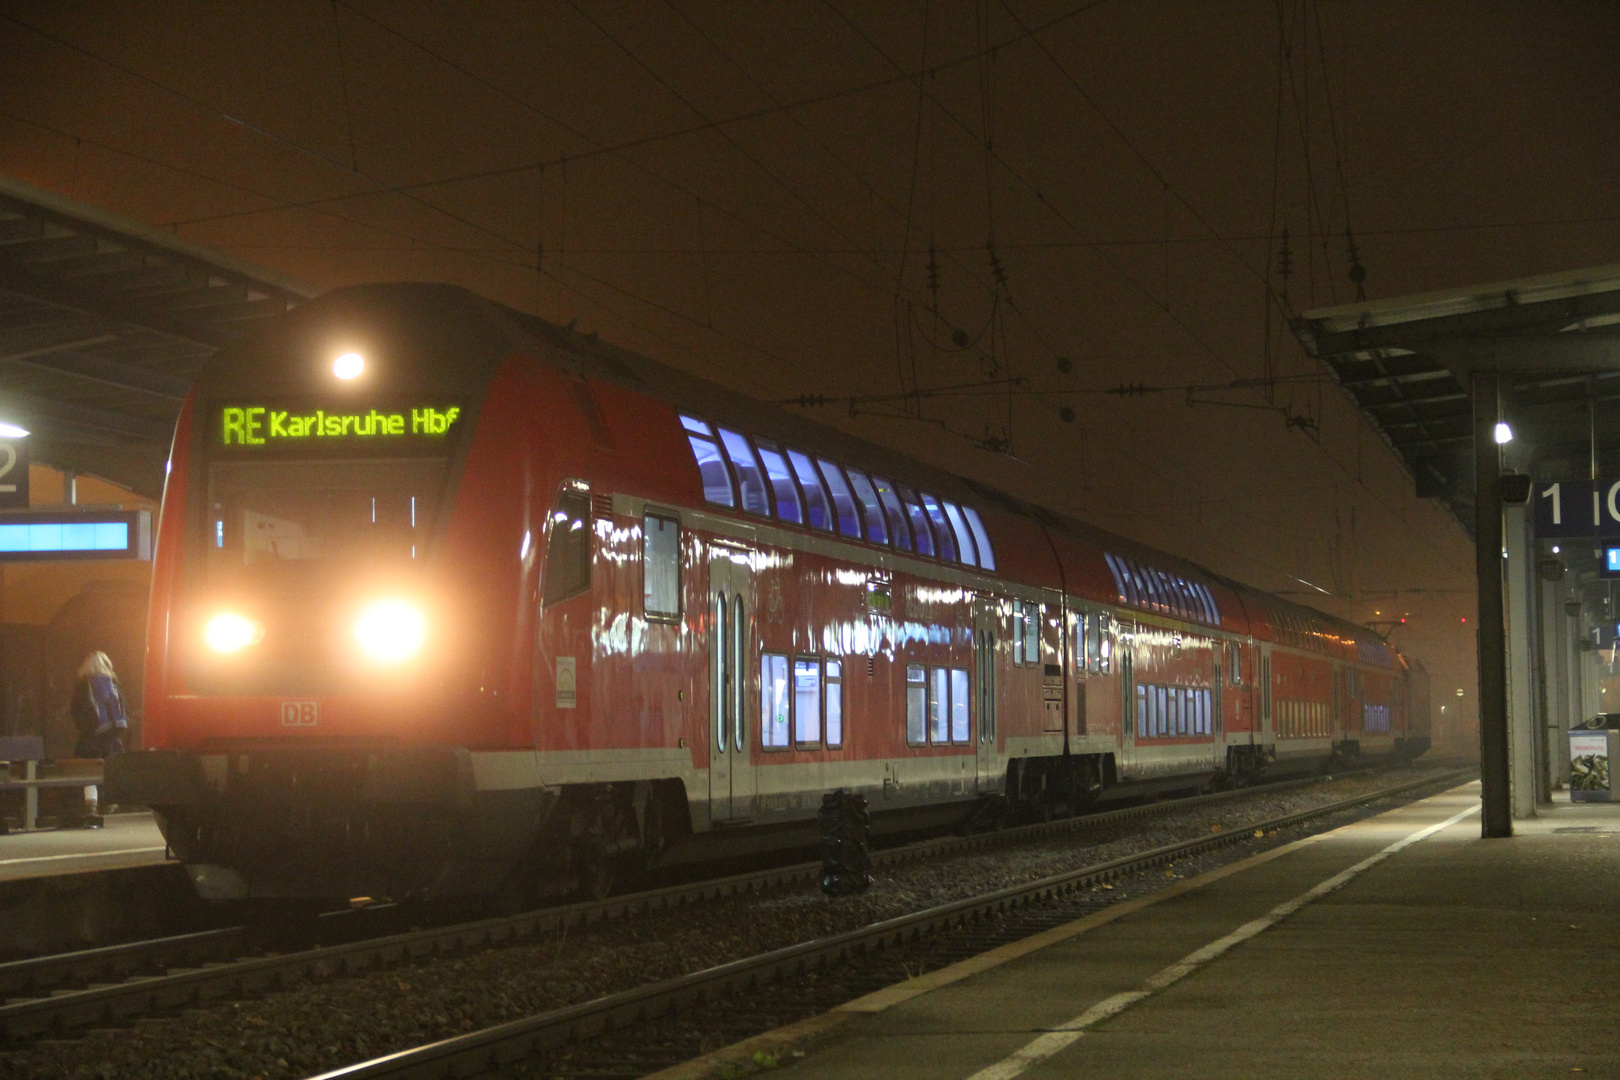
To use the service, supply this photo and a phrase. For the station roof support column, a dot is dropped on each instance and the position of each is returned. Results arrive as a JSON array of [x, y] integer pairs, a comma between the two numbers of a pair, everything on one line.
[[1497, 818]]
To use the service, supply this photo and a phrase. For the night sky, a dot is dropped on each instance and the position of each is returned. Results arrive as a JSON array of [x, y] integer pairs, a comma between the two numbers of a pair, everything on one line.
[[1032, 202]]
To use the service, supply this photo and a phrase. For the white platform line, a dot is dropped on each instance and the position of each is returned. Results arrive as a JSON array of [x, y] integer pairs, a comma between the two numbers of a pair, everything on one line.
[[82, 855], [1064, 1035]]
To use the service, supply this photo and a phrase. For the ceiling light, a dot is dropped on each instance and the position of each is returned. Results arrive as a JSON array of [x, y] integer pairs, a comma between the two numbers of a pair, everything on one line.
[[12, 431], [1504, 434]]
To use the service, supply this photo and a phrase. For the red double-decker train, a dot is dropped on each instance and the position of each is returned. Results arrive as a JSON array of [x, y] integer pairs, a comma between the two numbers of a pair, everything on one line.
[[449, 600]]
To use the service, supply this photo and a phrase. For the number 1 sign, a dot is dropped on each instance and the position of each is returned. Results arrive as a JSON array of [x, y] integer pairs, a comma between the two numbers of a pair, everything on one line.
[[1575, 508]]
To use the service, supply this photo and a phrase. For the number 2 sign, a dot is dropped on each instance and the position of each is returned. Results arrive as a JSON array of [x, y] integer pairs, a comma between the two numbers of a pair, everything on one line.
[[13, 474]]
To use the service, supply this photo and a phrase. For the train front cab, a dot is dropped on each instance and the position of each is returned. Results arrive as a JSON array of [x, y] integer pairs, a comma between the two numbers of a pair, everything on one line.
[[331, 709]]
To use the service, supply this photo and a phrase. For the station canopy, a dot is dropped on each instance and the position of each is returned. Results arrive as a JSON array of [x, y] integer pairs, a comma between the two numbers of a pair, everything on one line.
[[103, 323], [1407, 362]]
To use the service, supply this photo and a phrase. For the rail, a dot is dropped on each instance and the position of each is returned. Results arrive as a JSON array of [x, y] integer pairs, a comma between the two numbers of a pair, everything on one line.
[[516, 1040], [196, 968]]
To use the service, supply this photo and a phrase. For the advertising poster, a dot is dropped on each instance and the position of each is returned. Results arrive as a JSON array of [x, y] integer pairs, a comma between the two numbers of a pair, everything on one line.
[[1589, 761]]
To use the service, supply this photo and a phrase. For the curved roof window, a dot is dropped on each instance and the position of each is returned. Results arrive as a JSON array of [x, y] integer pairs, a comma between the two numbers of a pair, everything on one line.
[[981, 538], [788, 507], [964, 538], [750, 477], [849, 515], [877, 530], [897, 517], [918, 519], [818, 509], [717, 487], [942, 529]]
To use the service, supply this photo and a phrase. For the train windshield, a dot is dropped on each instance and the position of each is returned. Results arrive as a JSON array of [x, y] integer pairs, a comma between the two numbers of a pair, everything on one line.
[[320, 515]]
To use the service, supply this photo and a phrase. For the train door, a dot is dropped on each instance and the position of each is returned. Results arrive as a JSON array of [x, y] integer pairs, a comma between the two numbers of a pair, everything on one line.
[[985, 638], [731, 768], [1217, 712], [1262, 688]]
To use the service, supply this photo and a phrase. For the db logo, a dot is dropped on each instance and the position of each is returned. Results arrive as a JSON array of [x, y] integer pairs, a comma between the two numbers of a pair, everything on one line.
[[299, 713]]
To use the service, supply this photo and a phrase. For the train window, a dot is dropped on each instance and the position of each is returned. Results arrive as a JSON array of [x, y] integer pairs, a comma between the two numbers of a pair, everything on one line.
[[750, 477], [716, 477], [919, 521], [897, 516], [818, 508], [877, 530], [1234, 663], [1105, 644], [964, 537], [661, 567], [1032, 633], [987, 554], [568, 551], [776, 470], [1159, 582], [961, 729], [916, 704], [774, 703], [835, 703], [1184, 601], [939, 706], [942, 531], [849, 518], [1018, 631], [806, 701], [305, 517]]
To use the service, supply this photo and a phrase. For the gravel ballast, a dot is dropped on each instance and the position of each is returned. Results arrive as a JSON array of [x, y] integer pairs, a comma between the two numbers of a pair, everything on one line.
[[315, 1027]]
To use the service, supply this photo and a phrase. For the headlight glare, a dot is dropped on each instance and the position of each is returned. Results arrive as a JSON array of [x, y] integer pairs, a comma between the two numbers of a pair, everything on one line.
[[229, 632], [391, 631]]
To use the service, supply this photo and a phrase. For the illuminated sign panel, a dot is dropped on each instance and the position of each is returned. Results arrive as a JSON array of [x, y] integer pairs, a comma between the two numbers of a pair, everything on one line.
[[75, 534], [392, 426]]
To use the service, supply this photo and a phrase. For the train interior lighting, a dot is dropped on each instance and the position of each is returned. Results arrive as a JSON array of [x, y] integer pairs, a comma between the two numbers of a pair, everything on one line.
[[349, 366], [829, 496], [391, 631], [228, 632]]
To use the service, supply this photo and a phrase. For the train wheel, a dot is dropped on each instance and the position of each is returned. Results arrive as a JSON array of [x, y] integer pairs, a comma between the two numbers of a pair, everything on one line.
[[597, 876]]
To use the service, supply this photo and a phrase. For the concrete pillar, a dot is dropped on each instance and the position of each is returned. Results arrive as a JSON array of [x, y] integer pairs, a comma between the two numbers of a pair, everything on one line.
[[1555, 672], [1496, 795], [1521, 718]]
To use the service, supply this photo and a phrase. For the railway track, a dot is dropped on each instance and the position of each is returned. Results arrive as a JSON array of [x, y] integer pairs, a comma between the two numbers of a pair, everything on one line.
[[56, 995], [546, 1033]]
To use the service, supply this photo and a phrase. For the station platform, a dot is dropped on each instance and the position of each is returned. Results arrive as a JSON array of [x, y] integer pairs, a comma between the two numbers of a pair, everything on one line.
[[123, 841], [1400, 946]]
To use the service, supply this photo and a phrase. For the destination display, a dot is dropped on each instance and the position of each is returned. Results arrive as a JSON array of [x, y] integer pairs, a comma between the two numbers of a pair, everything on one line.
[[384, 427]]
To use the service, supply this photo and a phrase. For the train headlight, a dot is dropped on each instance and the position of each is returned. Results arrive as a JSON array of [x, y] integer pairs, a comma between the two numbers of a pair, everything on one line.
[[391, 631], [229, 632]]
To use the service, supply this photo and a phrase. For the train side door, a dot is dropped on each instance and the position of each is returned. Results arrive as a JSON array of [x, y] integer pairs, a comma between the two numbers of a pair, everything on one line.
[[1217, 693], [986, 636], [1262, 689], [731, 769]]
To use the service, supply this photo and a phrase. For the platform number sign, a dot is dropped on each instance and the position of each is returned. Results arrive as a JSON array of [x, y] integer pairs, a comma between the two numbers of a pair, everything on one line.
[[13, 474], [1576, 508]]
